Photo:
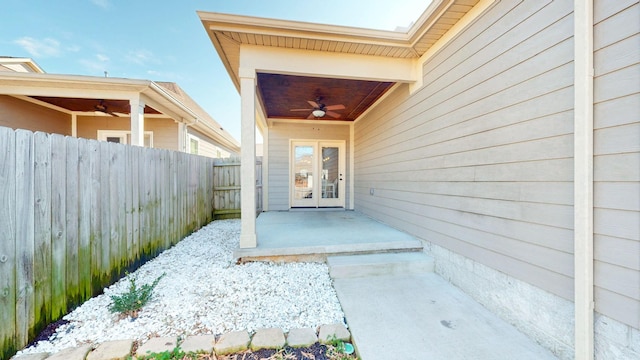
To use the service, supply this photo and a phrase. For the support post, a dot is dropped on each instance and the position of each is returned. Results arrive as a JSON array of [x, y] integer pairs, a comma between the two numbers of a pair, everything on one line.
[[74, 125], [583, 179], [248, 238], [137, 121]]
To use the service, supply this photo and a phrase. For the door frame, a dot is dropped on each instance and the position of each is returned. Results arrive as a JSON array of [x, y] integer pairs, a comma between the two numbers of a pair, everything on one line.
[[317, 201]]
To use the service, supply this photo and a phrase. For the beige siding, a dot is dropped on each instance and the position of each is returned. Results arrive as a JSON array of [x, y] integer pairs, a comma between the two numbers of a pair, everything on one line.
[[165, 131], [279, 136], [617, 160], [479, 160], [206, 146], [20, 114]]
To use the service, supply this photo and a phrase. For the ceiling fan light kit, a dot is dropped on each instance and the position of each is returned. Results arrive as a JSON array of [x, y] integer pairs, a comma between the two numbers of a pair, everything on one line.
[[319, 109]]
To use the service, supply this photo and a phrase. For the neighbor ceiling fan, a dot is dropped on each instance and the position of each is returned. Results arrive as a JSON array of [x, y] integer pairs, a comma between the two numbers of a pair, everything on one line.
[[319, 109], [101, 107]]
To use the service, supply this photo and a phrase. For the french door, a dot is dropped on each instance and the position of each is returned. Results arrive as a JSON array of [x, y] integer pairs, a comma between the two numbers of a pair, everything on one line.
[[317, 174]]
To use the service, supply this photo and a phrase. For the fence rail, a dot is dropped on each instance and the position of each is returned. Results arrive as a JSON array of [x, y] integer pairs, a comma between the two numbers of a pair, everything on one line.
[[76, 213]]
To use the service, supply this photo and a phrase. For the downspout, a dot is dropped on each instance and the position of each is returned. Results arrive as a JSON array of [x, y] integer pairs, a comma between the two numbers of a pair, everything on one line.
[[583, 179]]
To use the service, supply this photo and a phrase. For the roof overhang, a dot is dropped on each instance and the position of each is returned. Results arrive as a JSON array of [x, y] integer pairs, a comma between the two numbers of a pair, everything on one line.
[[66, 88], [311, 54]]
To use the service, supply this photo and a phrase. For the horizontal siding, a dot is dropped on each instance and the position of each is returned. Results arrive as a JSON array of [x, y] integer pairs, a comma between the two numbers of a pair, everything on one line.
[[480, 159], [19, 114], [279, 136], [617, 160]]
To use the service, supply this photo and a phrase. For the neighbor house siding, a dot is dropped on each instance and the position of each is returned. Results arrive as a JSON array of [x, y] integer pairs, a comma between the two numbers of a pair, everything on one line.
[[165, 131], [20, 114], [617, 160], [280, 135], [479, 160], [206, 147]]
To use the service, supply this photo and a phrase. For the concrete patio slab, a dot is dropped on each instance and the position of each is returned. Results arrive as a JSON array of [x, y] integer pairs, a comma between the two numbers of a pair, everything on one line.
[[305, 235], [379, 264], [424, 317]]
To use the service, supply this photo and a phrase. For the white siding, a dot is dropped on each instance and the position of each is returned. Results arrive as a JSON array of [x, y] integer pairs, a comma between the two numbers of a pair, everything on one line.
[[617, 160], [479, 160], [279, 135]]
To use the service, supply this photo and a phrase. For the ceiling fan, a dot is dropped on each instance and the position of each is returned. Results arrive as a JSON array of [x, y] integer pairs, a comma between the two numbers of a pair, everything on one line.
[[101, 107], [319, 109]]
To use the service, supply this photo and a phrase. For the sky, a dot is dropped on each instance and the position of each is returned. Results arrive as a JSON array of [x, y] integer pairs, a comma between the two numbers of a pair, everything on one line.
[[164, 40]]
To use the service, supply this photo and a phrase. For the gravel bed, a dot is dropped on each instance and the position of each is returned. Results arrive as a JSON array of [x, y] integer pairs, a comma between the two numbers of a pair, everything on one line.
[[205, 292]]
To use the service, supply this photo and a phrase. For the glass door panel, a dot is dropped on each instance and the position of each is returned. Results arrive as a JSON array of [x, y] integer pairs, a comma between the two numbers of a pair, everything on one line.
[[331, 164], [303, 173]]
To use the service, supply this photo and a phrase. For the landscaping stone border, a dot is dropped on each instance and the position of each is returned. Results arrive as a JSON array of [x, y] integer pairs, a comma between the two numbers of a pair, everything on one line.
[[232, 342]]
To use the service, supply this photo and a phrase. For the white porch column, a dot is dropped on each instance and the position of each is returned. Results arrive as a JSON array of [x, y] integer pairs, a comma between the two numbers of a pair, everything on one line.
[[248, 238], [137, 121], [583, 179]]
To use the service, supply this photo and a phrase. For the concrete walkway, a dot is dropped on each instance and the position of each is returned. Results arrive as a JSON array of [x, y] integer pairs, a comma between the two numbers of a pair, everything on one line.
[[421, 316]]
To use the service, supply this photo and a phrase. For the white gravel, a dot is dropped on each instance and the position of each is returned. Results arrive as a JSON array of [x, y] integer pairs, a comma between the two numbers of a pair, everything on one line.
[[205, 292]]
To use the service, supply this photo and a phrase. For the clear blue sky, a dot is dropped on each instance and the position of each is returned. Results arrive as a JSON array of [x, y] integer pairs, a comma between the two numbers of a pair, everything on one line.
[[164, 39]]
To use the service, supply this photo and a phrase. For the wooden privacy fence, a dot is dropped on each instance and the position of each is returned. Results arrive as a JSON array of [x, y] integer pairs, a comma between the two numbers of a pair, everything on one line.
[[76, 213], [226, 188]]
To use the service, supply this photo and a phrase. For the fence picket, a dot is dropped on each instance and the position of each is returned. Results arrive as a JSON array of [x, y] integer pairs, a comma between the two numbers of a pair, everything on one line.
[[59, 239], [24, 236], [8, 223], [42, 231], [84, 216], [71, 165]]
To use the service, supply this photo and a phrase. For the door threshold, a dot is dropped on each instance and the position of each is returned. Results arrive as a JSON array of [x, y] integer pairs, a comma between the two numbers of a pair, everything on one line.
[[337, 208]]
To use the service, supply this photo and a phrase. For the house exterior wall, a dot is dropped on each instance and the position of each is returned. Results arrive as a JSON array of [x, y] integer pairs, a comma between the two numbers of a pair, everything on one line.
[[479, 164], [617, 178], [165, 131], [206, 147], [280, 134], [20, 114]]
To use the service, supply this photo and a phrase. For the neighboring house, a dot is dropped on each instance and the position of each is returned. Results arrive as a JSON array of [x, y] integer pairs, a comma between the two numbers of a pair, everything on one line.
[[504, 134], [163, 115]]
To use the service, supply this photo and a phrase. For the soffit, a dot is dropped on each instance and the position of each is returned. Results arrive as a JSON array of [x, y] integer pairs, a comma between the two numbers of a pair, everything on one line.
[[228, 32]]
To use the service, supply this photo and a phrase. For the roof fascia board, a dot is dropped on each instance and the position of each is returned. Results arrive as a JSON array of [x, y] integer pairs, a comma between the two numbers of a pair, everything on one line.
[[317, 63], [27, 61], [278, 27]]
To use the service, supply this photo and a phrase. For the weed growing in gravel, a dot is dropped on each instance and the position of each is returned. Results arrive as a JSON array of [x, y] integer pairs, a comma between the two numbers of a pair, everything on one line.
[[130, 303], [176, 354]]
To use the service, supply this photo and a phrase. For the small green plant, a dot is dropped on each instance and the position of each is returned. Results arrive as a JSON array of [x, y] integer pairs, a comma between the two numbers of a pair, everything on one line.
[[130, 303], [336, 350]]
